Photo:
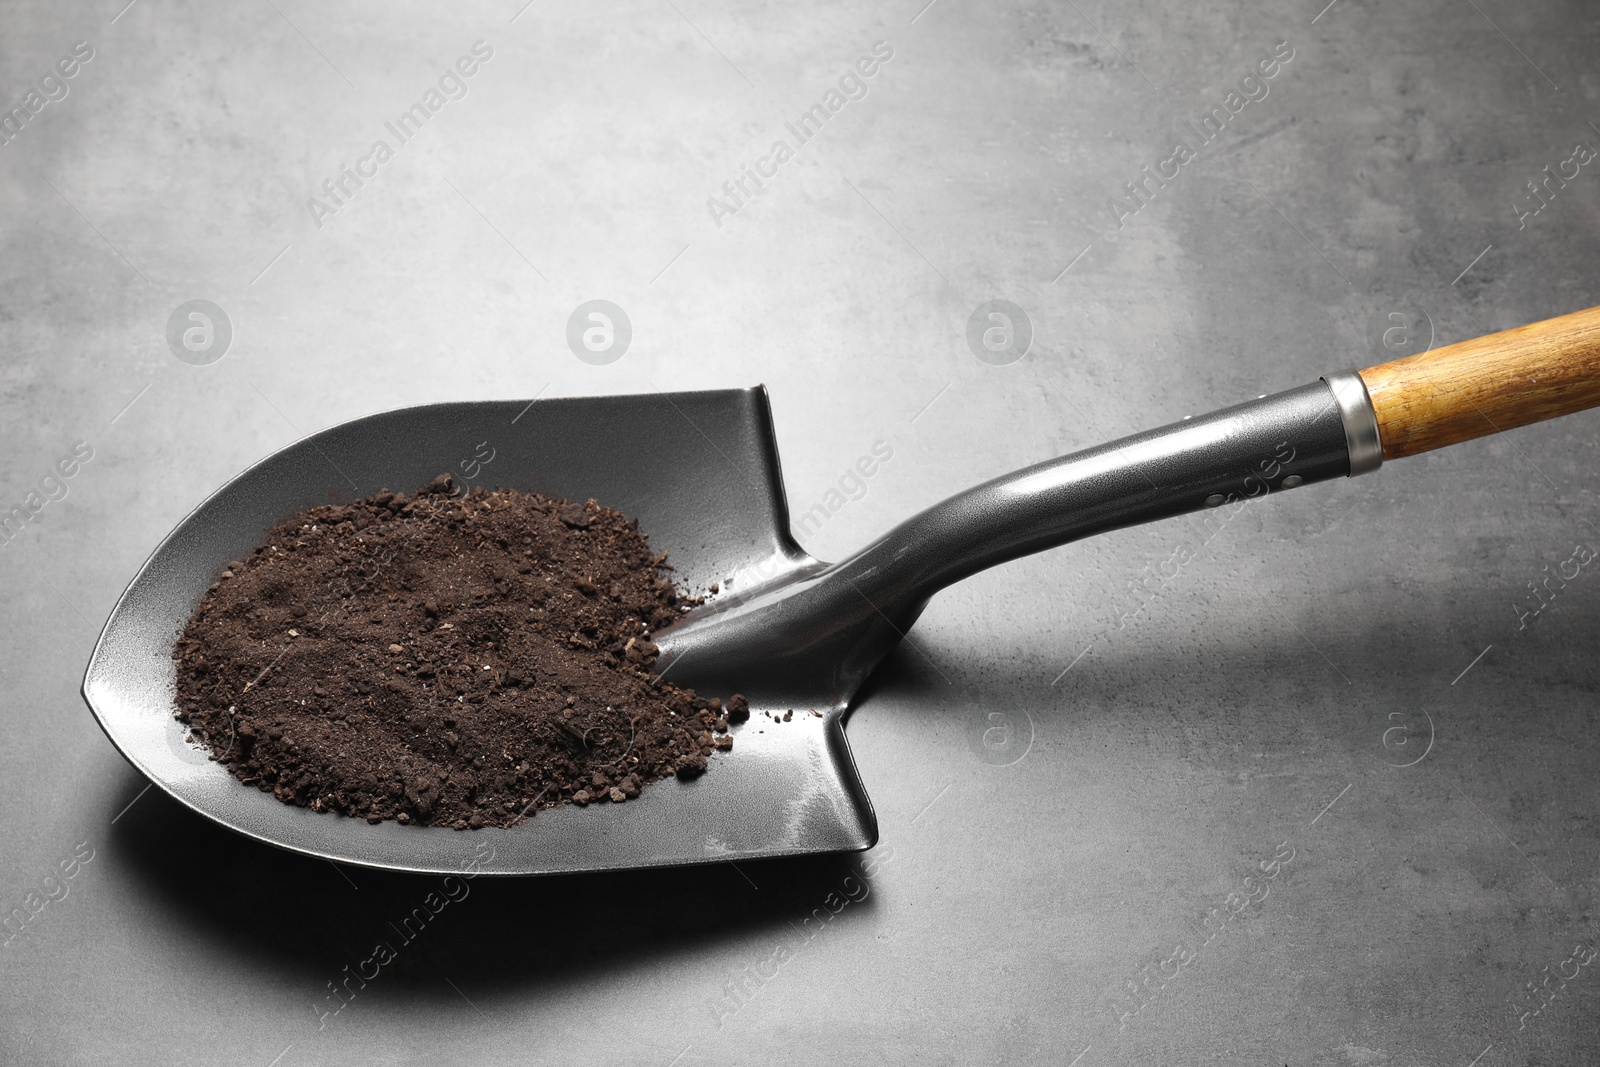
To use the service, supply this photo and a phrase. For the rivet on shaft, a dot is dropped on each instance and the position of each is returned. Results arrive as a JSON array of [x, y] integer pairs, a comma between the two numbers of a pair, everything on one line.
[[1214, 499], [1291, 481]]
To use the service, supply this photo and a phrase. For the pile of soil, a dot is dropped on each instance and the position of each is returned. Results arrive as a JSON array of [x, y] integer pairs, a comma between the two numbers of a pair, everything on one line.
[[446, 659]]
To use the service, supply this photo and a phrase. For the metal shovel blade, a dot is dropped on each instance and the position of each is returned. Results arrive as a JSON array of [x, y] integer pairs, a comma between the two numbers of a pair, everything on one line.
[[700, 473]]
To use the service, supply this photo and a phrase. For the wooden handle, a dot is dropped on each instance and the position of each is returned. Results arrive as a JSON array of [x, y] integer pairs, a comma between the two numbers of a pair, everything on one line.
[[1479, 387]]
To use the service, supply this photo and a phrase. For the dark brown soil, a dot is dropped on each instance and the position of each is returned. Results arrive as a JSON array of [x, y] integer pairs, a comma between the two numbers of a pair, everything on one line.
[[443, 659]]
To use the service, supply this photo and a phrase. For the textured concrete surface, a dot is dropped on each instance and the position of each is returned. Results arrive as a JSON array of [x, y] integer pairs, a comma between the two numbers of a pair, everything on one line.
[[1347, 685]]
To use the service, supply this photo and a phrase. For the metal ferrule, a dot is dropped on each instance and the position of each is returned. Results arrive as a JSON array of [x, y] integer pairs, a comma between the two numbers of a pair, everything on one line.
[[1360, 421]]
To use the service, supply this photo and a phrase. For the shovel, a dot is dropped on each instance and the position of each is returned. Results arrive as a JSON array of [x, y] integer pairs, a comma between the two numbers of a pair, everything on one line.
[[700, 472]]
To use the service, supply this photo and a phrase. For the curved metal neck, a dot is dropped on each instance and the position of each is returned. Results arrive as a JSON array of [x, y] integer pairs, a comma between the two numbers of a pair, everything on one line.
[[1226, 458], [820, 633]]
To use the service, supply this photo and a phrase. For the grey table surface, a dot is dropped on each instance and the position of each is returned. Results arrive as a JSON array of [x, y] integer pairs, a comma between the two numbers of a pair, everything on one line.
[[1346, 685]]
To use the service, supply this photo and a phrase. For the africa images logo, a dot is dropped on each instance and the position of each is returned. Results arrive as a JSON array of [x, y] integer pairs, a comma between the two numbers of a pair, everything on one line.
[[51, 88], [852, 85], [452, 86]]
